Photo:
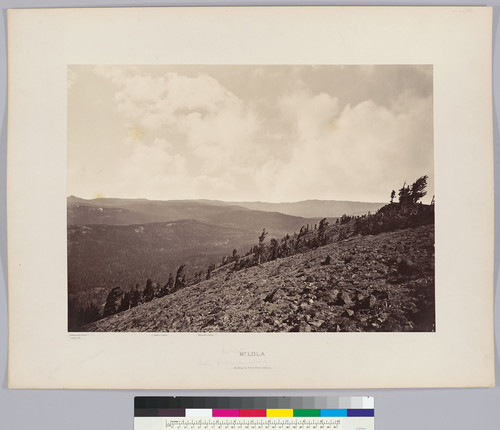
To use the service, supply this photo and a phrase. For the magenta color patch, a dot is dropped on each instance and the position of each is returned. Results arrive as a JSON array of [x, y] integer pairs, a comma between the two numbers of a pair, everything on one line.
[[225, 412]]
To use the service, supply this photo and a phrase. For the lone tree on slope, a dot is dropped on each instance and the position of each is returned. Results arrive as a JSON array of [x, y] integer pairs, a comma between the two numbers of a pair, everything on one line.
[[260, 250], [418, 189]]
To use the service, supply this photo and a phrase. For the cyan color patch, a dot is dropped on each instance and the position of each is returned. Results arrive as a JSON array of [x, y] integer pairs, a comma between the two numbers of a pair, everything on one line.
[[333, 412]]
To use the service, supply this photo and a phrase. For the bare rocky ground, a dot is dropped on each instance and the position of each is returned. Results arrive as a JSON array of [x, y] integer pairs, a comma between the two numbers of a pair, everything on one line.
[[383, 282]]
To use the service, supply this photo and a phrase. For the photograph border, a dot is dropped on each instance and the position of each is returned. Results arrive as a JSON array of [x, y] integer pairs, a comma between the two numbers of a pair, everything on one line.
[[307, 122]]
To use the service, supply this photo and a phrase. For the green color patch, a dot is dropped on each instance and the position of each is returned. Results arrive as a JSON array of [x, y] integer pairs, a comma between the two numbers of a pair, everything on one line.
[[307, 412]]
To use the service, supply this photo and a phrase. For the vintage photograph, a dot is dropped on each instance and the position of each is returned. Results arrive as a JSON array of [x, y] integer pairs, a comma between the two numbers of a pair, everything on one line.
[[250, 198]]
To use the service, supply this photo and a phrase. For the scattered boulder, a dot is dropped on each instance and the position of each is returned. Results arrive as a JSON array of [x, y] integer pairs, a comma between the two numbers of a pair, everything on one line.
[[327, 261], [380, 295], [348, 313], [366, 302], [304, 327], [317, 323], [345, 298], [347, 259], [405, 266], [269, 298]]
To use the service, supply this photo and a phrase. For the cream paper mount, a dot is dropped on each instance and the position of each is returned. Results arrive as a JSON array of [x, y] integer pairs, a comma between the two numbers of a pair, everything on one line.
[[454, 43]]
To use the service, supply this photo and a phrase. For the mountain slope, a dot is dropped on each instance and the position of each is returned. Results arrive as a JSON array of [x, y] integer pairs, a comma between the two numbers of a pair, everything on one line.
[[369, 283]]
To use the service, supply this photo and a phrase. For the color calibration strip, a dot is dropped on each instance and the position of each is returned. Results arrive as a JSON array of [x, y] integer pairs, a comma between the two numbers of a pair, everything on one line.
[[231, 407], [257, 413]]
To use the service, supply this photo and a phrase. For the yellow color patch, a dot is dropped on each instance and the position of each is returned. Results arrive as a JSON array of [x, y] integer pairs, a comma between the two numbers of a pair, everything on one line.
[[279, 412]]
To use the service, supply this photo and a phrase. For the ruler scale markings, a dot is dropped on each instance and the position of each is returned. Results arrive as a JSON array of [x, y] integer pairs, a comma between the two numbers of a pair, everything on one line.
[[187, 423]]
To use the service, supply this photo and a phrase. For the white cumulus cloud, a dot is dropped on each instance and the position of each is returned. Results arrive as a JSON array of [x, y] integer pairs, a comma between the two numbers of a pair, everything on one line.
[[283, 133]]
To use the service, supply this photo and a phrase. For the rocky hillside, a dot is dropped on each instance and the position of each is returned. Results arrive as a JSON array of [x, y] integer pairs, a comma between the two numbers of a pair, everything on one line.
[[382, 282]]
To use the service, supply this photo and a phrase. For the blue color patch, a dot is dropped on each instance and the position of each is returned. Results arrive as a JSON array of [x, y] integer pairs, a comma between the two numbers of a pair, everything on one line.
[[361, 412]]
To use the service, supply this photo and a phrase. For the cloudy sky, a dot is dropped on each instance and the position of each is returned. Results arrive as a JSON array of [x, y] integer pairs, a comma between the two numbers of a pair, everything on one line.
[[248, 133]]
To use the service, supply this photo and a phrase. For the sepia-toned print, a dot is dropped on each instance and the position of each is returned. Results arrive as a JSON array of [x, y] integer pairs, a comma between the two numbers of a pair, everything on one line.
[[251, 198]]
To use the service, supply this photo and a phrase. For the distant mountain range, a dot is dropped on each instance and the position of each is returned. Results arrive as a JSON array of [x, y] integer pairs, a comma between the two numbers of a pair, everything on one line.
[[138, 211], [315, 208], [131, 212]]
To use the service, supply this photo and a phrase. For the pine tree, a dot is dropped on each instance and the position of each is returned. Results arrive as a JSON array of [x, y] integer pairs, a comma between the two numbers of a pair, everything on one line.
[[404, 195], [418, 189], [113, 301], [180, 278], [209, 271], [285, 247], [135, 296], [274, 249], [125, 303], [261, 247], [322, 237], [170, 284], [149, 291]]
